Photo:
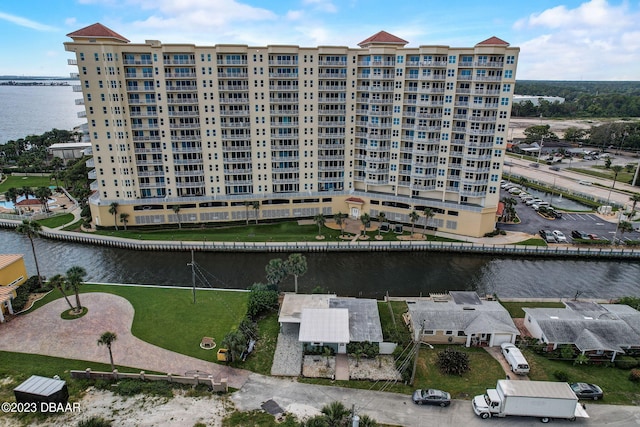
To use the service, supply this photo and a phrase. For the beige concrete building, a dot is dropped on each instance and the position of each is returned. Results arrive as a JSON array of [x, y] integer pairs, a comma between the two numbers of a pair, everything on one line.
[[300, 130]]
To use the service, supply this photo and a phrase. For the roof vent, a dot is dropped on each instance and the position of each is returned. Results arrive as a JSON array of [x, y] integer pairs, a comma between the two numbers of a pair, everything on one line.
[[468, 308]]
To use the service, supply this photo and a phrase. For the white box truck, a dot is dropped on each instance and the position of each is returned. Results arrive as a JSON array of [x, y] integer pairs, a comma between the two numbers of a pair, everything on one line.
[[542, 399]]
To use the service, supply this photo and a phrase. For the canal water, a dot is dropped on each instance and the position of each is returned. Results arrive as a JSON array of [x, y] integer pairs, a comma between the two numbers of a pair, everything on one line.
[[369, 275]]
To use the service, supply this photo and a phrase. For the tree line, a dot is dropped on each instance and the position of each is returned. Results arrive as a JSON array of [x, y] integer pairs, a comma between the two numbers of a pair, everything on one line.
[[582, 99]]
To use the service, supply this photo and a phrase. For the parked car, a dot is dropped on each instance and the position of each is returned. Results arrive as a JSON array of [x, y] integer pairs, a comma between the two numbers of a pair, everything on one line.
[[587, 391], [584, 182], [554, 168], [548, 236], [593, 236], [560, 237], [532, 201], [515, 359], [579, 235], [431, 397]]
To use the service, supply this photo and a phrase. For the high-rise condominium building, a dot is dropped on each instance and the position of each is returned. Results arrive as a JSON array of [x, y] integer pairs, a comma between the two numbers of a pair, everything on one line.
[[197, 134]]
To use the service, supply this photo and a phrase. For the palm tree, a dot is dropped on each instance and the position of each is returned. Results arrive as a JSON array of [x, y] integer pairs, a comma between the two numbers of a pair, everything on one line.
[[428, 214], [107, 338], [31, 230], [43, 194], [296, 265], [59, 282], [635, 198], [256, 209], [624, 226], [26, 192], [75, 279], [124, 218], [365, 218], [176, 210], [339, 218], [276, 272], [413, 218], [246, 212], [381, 218], [335, 414], [12, 194], [320, 220], [113, 210], [616, 170]]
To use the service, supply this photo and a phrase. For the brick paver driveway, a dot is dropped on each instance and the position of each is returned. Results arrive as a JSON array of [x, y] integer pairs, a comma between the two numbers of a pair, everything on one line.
[[44, 332]]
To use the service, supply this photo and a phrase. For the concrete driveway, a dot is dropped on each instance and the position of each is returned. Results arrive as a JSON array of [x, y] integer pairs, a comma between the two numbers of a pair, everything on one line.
[[45, 332]]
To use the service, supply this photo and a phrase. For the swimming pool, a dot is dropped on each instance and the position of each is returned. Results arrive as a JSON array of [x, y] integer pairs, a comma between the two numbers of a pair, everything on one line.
[[8, 204]]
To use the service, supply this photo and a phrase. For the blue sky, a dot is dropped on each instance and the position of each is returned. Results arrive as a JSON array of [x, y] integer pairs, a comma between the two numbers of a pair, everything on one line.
[[559, 40]]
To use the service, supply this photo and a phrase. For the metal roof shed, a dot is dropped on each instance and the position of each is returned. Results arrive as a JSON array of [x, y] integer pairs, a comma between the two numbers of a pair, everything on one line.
[[42, 389]]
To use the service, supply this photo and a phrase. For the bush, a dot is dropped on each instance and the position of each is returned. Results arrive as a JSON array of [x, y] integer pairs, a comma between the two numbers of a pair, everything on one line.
[[626, 362], [561, 376], [566, 352], [94, 422], [453, 362], [634, 375], [261, 300], [368, 349]]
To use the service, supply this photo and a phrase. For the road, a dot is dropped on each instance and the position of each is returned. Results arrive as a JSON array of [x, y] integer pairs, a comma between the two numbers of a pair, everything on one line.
[[570, 180], [397, 409]]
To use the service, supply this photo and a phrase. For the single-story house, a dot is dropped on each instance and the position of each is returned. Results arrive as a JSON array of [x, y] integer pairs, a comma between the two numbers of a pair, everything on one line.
[[328, 320], [13, 273], [461, 317], [596, 330]]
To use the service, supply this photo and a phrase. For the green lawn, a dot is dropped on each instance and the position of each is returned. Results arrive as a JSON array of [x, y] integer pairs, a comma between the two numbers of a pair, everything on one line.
[[25, 181], [484, 373], [515, 308], [614, 381], [169, 319], [56, 221], [601, 172], [289, 231], [532, 242]]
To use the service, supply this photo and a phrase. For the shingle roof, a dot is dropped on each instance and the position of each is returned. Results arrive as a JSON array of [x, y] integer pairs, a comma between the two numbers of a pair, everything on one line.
[[364, 320], [382, 37], [488, 317], [493, 41], [97, 30], [607, 331]]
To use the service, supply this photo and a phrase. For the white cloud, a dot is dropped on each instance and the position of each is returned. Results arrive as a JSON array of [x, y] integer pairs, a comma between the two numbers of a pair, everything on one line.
[[594, 41], [321, 5], [24, 22], [294, 15]]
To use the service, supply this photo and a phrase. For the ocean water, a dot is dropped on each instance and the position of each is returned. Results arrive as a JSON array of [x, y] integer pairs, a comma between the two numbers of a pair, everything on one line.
[[33, 110]]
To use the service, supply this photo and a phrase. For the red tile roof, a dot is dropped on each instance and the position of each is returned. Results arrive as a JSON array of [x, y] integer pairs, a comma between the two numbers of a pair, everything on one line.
[[500, 209], [29, 202], [97, 30], [382, 38], [494, 40], [355, 200]]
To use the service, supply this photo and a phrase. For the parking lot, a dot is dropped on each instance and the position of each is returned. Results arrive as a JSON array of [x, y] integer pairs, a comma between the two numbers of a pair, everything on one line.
[[588, 223]]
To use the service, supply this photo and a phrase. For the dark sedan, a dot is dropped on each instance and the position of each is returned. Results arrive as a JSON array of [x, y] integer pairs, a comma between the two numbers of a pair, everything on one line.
[[579, 235], [431, 397], [587, 391]]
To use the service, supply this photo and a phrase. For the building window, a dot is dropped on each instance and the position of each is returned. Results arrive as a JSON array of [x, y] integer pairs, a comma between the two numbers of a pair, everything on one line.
[[504, 101], [506, 87], [428, 332], [508, 74], [511, 59]]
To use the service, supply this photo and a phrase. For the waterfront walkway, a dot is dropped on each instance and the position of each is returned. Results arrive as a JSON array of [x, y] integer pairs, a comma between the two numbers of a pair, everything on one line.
[[505, 245], [45, 332]]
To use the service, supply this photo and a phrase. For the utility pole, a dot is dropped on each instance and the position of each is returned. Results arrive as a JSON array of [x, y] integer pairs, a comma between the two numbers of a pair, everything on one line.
[[193, 275], [417, 350]]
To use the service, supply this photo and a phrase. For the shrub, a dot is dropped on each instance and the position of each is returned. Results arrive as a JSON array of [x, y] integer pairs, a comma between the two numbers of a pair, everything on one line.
[[626, 362], [581, 359], [94, 422], [634, 375], [566, 352], [368, 349], [561, 376], [453, 362], [261, 300]]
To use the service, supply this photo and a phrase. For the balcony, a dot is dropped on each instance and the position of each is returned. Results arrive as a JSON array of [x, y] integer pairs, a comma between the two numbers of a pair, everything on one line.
[[283, 75], [189, 184], [224, 101], [90, 163], [147, 150], [151, 138], [137, 62], [187, 161], [92, 174], [179, 62], [82, 114], [182, 113], [180, 75], [144, 126], [151, 173], [80, 101], [231, 62], [226, 148], [151, 184], [170, 88], [193, 100], [232, 160], [76, 88], [72, 62], [283, 62]]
